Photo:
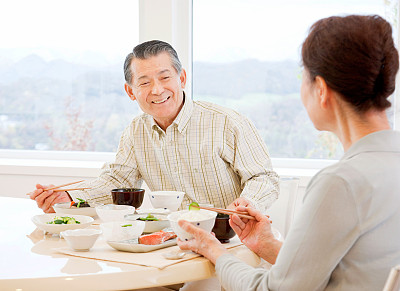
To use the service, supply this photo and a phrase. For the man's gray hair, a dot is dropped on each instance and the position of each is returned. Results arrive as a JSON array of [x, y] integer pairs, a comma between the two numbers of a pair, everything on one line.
[[149, 49]]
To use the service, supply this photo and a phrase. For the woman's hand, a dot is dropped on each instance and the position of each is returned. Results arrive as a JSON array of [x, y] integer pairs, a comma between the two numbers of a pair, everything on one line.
[[203, 242], [256, 234], [46, 199]]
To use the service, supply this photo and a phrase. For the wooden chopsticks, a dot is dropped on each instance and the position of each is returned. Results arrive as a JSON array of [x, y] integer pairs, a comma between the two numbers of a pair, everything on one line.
[[60, 190], [227, 211], [56, 188], [59, 186]]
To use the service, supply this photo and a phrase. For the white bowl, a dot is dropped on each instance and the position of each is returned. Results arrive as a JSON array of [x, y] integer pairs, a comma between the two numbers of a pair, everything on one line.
[[206, 222], [122, 230], [66, 209], [170, 200], [112, 212], [150, 225], [41, 222], [81, 239]]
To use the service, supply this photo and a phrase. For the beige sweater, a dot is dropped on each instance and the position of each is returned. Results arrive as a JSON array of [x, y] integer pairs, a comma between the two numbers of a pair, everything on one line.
[[347, 233]]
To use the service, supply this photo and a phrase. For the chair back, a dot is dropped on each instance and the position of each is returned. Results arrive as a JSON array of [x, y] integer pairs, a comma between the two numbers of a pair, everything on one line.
[[393, 280], [282, 210]]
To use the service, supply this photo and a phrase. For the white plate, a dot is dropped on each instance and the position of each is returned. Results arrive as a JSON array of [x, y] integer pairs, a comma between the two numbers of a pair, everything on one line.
[[150, 225], [64, 209], [41, 222], [134, 247]]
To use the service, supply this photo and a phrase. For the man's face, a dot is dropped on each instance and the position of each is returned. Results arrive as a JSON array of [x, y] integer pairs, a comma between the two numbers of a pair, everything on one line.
[[157, 88]]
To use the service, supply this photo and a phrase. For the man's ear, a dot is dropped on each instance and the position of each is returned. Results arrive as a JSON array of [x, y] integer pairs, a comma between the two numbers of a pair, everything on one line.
[[129, 91], [323, 91], [182, 78]]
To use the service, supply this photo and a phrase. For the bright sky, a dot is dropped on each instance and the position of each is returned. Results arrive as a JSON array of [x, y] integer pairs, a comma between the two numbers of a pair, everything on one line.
[[108, 27], [228, 30], [224, 30]]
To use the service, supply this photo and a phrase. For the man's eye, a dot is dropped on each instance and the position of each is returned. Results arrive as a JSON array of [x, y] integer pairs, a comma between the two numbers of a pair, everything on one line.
[[166, 78], [144, 84]]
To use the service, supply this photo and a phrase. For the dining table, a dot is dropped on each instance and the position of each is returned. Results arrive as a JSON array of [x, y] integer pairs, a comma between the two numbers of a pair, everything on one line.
[[34, 260]]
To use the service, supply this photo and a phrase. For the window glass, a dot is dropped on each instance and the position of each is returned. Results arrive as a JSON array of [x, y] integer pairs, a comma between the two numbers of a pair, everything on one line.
[[246, 56], [61, 73]]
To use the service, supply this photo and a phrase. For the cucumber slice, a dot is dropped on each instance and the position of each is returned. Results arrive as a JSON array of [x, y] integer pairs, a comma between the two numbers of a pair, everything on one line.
[[194, 206]]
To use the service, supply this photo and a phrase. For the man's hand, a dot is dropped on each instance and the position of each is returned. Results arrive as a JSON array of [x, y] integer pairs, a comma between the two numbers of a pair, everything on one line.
[[203, 242], [46, 199], [256, 234], [239, 202]]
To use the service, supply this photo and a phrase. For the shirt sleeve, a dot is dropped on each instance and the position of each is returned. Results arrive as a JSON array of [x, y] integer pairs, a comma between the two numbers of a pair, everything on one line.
[[324, 230], [247, 153], [123, 172]]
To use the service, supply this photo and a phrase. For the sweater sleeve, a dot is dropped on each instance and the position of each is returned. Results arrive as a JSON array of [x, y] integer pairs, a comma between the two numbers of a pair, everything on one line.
[[324, 230]]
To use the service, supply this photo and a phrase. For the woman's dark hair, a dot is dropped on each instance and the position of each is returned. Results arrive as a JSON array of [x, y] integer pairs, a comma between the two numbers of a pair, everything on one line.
[[356, 57], [149, 49]]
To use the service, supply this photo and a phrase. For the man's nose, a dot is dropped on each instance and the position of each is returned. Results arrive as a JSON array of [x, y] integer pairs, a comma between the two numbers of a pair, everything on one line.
[[157, 88]]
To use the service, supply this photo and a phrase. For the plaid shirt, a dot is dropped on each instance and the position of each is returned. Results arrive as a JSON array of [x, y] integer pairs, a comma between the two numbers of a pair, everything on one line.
[[211, 153]]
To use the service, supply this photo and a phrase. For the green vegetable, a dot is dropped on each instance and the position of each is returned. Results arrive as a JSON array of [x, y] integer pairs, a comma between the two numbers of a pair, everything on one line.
[[194, 206], [63, 220], [149, 217], [126, 225], [80, 201]]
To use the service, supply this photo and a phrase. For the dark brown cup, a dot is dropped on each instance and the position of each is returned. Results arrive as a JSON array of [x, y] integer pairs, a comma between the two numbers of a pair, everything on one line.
[[128, 196], [223, 231]]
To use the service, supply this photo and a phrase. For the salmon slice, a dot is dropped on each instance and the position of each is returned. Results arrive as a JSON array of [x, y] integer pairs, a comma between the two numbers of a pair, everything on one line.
[[156, 238]]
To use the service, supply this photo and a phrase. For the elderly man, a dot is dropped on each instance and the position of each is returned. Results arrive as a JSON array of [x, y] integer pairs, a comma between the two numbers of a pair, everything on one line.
[[211, 153]]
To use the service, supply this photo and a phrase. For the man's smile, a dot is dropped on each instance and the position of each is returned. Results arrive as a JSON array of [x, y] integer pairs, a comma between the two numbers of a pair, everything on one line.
[[160, 101]]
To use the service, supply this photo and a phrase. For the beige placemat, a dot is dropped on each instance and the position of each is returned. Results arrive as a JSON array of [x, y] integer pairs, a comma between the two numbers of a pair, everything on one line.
[[102, 251]]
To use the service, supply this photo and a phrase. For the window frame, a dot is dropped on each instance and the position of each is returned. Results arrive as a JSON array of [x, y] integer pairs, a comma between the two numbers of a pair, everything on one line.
[[176, 28]]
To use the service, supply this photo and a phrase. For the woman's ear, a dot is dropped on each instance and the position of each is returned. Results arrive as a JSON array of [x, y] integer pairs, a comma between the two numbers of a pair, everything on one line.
[[129, 91], [322, 91]]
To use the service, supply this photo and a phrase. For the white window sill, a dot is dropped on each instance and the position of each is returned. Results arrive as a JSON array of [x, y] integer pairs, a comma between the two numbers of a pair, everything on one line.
[[84, 164]]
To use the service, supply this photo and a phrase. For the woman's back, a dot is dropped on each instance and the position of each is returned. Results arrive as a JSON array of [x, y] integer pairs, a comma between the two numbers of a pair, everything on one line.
[[346, 236]]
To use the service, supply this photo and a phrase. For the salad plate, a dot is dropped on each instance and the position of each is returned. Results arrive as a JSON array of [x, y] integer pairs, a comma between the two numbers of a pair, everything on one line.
[[43, 221], [134, 247]]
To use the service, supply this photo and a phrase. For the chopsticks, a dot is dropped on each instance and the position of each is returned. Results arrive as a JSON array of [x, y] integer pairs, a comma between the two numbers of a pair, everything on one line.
[[56, 188], [59, 190], [59, 186], [227, 211]]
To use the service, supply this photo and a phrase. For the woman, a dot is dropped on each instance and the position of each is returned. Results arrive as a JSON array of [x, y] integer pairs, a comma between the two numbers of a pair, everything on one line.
[[346, 235]]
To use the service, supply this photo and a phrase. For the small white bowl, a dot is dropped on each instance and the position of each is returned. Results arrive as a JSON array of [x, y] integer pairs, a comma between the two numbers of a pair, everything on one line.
[[41, 222], [205, 222], [81, 239], [122, 230], [170, 200], [150, 225], [66, 209], [112, 212]]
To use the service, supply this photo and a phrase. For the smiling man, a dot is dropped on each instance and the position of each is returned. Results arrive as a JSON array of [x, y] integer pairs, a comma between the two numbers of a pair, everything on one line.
[[213, 154]]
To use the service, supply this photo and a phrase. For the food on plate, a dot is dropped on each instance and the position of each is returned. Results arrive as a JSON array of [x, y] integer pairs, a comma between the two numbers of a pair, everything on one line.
[[194, 216], [149, 217], [156, 238], [81, 203], [194, 206], [63, 220]]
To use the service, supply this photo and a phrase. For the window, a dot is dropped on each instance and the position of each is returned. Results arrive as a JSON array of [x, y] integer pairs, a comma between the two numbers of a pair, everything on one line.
[[61, 73], [246, 56]]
